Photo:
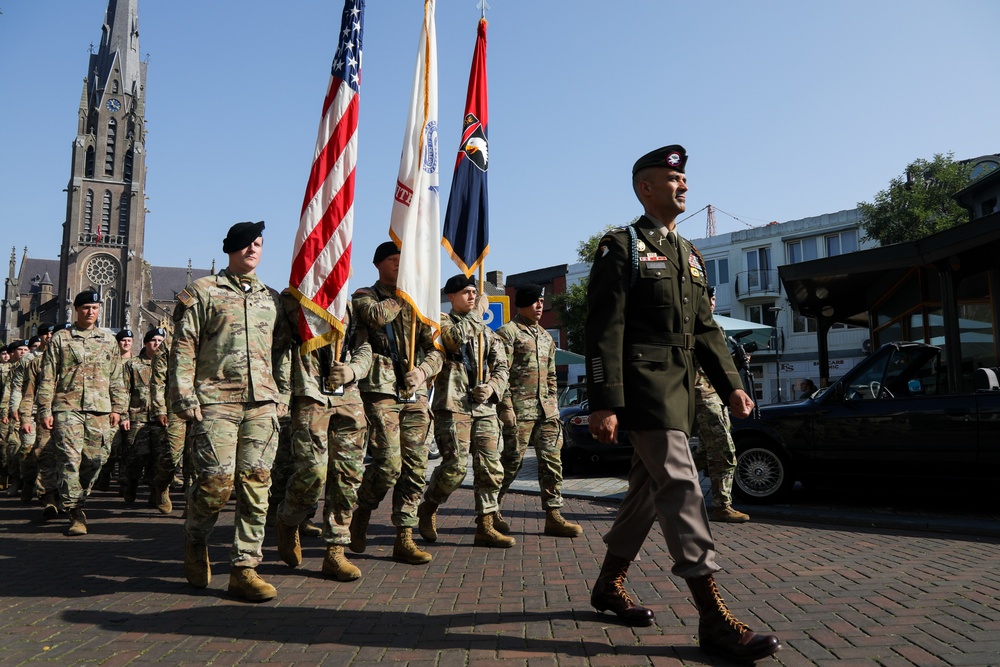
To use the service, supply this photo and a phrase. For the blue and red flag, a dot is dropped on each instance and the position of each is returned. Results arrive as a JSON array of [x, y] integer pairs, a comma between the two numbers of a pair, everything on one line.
[[466, 222]]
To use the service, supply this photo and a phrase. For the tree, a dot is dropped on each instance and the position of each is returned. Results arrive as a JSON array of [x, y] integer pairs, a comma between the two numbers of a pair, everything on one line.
[[917, 204], [571, 305]]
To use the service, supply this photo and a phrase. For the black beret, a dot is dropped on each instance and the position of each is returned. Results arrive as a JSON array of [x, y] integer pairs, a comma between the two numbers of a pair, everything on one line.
[[527, 295], [241, 235], [85, 297], [711, 292], [123, 333], [458, 283], [387, 249], [9, 348], [21, 342], [33, 340], [46, 329], [671, 157], [153, 332]]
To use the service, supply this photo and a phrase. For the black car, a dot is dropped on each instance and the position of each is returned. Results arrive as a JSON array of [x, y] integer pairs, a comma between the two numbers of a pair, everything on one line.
[[894, 417], [579, 448]]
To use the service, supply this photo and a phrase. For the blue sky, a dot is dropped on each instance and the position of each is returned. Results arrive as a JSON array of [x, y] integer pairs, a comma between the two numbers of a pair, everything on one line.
[[788, 109]]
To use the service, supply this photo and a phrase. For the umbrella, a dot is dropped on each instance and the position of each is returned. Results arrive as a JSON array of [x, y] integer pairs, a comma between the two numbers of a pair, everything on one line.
[[745, 331]]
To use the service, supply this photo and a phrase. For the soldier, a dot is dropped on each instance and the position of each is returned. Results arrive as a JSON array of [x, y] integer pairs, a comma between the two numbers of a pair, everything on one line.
[[716, 453], [169, 461], [117, 460], [27, 461], [396, 406], [648, 312], [20, 353], [228, 380], [125, 338], [81, 398], [144, 433], [4, 420], [328, 433], [39, 456], [465, 413], [530, 410]]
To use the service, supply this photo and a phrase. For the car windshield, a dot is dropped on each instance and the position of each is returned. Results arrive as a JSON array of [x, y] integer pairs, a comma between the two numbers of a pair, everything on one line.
[[573, 394], [907, 371]]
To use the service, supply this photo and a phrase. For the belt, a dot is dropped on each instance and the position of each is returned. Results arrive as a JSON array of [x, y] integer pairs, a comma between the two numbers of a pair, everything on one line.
[[669, 339]]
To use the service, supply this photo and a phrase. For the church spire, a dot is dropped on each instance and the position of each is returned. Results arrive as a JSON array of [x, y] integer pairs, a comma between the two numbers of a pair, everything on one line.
[[119, 41]]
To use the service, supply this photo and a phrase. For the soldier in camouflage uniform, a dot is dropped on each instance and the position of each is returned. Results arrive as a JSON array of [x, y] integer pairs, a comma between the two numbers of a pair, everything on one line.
[[396, 406], [81, 398], [716, 453], [530, 409], [171, 457], [39, 462], [328, 433], [465, 414], [5, 368], [20, 355], [229, 381], [120, 443], [143, 433], [25, 380]]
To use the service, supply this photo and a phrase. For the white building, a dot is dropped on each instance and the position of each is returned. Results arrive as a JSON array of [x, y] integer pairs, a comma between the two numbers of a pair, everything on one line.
[[743, 267]]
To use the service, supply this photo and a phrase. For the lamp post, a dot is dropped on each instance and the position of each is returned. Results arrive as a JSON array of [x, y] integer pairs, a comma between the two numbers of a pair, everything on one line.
[[777, 347]]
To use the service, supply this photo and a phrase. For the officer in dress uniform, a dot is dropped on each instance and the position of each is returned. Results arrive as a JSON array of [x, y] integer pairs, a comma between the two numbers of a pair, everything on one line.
[[649, 317]]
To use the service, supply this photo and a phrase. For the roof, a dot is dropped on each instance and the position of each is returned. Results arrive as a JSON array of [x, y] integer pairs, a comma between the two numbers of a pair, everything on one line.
[[33, 271], [169, 280], [845, 287]]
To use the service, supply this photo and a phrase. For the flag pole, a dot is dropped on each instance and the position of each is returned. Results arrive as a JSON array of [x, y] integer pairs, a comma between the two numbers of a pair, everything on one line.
[[482, 336]]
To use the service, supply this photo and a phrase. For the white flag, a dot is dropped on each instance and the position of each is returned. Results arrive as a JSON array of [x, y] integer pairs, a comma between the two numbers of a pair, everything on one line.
[[416, 212]]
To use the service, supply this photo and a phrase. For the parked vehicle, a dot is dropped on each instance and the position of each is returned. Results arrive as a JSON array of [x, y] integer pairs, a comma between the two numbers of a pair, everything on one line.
[[579, 448], [893, 417]]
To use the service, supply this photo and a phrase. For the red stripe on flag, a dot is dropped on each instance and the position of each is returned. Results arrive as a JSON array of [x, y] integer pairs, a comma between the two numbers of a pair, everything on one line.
[[335, 282], [324, 230]]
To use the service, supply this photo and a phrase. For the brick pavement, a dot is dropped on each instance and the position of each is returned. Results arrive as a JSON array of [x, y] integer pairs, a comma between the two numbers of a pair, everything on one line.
[[835, 595]]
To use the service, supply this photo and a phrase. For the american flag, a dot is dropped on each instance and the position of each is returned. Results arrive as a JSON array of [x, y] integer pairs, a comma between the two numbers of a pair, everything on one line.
[[322, 253]]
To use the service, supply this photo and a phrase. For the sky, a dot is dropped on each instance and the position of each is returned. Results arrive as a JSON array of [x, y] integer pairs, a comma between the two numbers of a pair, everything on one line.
[[787, 109]]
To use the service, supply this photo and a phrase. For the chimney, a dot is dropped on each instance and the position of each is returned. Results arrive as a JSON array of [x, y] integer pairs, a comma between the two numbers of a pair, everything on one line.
[[495, 277]]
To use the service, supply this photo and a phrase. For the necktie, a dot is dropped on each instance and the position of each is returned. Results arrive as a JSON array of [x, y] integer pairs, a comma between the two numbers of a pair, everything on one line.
[[672, 240]]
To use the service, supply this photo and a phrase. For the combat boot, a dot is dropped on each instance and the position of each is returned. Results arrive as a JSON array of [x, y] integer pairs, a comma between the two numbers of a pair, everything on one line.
[[27, 492], [51, 509], [77, 522], [131, 491], [197, 568], [609, 593], [721, 634], [289, 547], [488, 536], [557, 526], [337, 566], [359, 529], [405, 549], [308, 529], [500, 524], [246, 583], [427, 525], [161, 500], [727, 514]]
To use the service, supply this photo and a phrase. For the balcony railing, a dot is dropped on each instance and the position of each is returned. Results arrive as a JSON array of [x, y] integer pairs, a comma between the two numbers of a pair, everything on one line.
[[90, 238], [757, 282]]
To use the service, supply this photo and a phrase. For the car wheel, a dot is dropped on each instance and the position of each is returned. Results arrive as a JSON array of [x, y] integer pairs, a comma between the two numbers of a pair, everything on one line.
[[762, 473]]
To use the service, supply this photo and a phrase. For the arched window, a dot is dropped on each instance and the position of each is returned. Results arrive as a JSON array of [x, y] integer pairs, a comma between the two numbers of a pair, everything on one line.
[[123, 214], [88, 213], [110, 308], [127, 168], [114, 86], [88, 165], [109, 155], [106, 214]]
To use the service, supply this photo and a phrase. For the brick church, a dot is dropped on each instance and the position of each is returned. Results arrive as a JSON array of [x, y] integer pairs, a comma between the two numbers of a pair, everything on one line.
[[103, 234]]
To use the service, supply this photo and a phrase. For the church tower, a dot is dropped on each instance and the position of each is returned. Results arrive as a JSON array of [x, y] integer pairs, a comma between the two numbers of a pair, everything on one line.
[[105, 203]]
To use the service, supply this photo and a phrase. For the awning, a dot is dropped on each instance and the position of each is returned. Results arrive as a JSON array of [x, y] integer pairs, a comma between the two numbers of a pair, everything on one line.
[[565, 358]]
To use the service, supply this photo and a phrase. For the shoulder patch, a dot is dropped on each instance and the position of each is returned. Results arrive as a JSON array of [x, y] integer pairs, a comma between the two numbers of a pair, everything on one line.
[[186, 298], [362, 290]]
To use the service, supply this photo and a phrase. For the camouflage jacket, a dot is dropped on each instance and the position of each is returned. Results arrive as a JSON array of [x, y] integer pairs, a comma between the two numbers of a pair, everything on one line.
[[29, 385], [81, 372], [138, 373], [460, 336], [531, 352], [228, 344], [5, 369], [309, 368], [158, 381], [13, 404], [376, 307], [704, 392]]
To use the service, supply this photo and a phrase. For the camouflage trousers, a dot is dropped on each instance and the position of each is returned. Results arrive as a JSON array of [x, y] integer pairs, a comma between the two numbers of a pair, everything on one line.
[[232, 447], [45, 461], [12, 449], [283, 467], [398, 448], [82, 443], [545, 435], [327, 447], [456, 435], [27, 461], [716, 454], [171, 456], [143, 446]]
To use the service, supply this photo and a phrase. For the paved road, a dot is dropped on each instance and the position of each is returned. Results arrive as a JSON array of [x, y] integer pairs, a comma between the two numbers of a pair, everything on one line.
[[836, 594]]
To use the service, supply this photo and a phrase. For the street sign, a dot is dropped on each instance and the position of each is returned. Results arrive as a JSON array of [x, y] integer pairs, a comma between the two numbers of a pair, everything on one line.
[[499, 312]]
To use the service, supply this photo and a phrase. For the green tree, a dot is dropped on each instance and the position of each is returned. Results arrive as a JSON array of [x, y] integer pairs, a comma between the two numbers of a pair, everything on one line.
[[917, 204], [571, 305]]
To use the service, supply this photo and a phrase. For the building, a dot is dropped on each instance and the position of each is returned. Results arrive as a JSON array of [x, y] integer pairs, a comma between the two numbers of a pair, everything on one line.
[[743, 267], [104, 230]]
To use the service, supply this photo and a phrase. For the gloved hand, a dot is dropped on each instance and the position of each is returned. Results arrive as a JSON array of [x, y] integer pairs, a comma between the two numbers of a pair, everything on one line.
[[482, 304], [507, 416], [191, 414], [280, 408], [482, 393], [414, 379], [340, 374]]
